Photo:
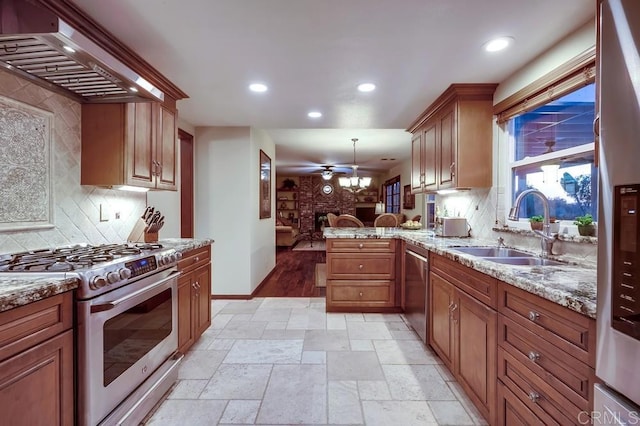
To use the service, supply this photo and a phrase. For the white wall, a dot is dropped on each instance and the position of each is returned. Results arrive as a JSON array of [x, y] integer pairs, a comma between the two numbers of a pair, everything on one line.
[[566, 49], [226, 206]]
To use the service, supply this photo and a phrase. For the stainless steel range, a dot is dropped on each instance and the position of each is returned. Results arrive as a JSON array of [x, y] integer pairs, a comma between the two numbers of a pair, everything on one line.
[[127, 323]]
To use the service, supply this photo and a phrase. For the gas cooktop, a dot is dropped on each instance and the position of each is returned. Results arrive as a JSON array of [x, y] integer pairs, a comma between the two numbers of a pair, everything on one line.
[[71, 258], [98, 268]]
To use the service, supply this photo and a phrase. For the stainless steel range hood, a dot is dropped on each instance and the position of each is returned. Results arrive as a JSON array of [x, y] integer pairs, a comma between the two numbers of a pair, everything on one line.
[[37, 45]]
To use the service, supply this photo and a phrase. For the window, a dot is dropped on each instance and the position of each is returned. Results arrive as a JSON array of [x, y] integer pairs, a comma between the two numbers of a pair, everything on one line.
[[552, 150], [392, 195]]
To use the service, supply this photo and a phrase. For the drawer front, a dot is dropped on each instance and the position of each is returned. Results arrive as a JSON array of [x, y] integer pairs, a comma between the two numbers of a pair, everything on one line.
[[512, 411], [568, 376], [193, 259], [28, 325], [360, 245], [356, 266], [480, 286], [547, 404], [571, 333], [355, 293]]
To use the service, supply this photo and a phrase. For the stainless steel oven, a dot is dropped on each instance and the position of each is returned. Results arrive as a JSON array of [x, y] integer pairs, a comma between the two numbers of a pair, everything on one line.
[[126, 323], [126, 339]]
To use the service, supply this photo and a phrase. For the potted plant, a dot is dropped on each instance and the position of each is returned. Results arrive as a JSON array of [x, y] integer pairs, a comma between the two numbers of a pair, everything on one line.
[[585, 224], [536, 222]]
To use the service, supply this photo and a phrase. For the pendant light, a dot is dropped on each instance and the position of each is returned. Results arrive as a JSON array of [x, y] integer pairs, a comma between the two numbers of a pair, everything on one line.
[[354, 183]]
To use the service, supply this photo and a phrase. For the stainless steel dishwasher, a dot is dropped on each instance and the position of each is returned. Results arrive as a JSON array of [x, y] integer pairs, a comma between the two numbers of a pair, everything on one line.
[[416, 281]]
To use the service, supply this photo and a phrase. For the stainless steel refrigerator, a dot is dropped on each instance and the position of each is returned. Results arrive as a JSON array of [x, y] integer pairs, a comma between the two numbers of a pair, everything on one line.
[[617, 402]]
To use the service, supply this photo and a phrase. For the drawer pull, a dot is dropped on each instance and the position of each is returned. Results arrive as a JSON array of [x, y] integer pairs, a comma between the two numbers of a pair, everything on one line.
[[360, 267], [534, 396], [361, 294], [533, 316], [196, 259], [360, 245], [534, 356]]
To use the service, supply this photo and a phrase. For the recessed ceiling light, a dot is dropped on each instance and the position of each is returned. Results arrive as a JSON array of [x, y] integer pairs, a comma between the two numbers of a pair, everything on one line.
[[366, 87], [69, 49], [258, 87], [498, 44], [314, 114]]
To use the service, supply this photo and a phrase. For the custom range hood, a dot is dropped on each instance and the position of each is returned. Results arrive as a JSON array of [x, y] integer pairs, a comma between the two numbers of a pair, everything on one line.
[[35, 44]]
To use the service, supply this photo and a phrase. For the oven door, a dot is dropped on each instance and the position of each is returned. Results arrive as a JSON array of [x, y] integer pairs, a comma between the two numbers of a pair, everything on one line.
[[123, 337]]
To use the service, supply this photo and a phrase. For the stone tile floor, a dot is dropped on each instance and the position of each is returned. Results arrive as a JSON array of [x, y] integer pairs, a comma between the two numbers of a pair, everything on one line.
[[274, 361]]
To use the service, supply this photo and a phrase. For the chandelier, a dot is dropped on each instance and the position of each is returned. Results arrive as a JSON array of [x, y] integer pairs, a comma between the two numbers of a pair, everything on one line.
[[354, 183]]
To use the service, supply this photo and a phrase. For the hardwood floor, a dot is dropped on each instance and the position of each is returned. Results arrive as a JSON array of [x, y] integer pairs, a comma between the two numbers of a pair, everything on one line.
[[294, 275]]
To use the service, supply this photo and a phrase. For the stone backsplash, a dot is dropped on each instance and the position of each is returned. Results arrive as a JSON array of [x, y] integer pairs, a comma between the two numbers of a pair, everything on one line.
[[76, 216]]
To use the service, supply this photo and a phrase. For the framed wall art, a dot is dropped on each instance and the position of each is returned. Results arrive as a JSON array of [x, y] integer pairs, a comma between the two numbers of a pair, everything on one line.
[[265, 186], [409, 199]]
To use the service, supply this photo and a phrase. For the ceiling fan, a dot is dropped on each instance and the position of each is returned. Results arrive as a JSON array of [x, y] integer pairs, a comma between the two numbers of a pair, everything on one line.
[[327, 172]]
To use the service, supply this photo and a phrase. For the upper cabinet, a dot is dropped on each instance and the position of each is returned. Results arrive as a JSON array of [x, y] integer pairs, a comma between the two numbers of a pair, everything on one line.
[[129, 144], [452, 140]]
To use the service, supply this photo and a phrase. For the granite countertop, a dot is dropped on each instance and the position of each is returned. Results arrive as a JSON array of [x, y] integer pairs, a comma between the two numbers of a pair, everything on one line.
[[571, 285], [21, 288]]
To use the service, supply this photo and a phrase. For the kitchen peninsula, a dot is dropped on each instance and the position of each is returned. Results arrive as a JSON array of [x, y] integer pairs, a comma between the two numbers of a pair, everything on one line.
[[569, 285]]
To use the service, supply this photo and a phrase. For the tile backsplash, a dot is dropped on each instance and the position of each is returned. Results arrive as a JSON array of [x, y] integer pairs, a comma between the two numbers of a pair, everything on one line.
[[76, 215]]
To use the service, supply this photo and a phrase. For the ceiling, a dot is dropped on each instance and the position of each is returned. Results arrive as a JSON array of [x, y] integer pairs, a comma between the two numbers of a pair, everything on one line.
[[313, 54]]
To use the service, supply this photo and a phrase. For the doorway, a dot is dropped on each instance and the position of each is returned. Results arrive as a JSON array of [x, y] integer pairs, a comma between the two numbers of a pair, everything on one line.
[[186, 184]]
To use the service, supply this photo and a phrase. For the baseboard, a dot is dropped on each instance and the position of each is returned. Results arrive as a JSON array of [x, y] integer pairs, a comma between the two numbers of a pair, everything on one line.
[[231, 296]]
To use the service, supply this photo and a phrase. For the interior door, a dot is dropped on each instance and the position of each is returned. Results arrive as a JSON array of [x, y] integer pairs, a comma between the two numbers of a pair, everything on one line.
[[186, 184]]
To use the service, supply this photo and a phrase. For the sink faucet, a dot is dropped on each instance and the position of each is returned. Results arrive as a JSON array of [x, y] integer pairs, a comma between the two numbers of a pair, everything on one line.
[[546, 239]]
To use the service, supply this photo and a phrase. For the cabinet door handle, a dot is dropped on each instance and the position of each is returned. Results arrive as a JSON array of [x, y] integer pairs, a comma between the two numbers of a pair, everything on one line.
[[450, 305], [534, 316], [534, 356], [452, 169], [534, 396], [596, 126], [454, 307]]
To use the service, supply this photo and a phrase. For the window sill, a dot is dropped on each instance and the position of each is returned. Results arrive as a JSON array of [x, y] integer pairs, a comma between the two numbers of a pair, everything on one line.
[[562, 237]]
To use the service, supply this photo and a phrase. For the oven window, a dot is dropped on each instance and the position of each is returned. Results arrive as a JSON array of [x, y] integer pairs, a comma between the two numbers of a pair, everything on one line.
[[133, 333]]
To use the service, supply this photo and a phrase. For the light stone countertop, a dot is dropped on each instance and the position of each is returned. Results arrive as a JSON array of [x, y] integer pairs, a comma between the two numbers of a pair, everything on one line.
[[21, 288], [570, 285]]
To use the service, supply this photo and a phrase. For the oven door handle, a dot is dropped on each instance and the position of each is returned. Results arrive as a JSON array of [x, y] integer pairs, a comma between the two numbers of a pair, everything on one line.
[[106, 306]]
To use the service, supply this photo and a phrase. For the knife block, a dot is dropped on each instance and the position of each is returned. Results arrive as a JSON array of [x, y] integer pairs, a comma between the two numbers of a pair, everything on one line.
[[138, 234]]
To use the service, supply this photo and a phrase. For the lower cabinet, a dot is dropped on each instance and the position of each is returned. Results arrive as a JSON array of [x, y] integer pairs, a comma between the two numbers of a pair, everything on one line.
[[194, 296], [463, 333], [546, 359], [361, 275], [36, 363]]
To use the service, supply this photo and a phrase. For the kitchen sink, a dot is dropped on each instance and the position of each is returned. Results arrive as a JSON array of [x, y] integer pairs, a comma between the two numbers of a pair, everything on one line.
[[501, 252], [527, 261]]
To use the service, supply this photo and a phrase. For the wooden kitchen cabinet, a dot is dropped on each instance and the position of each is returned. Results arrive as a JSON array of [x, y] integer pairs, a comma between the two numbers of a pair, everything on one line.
[[36, 363], [463, 329], [129, 144], [194, 296], [361, 275], [452, 142], [546, 359]]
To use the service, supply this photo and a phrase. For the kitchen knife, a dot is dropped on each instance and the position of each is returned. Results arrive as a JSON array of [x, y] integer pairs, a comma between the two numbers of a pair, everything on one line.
[[154, 221], [148, 211], [149, 214]]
